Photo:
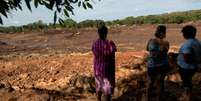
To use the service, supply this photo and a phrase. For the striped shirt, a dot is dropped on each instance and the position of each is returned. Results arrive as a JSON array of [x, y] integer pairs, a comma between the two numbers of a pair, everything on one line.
[[104, 58]]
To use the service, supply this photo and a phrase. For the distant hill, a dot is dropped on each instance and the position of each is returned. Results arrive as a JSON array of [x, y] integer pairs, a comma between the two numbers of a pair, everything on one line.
[[175, 17], [167, 18]]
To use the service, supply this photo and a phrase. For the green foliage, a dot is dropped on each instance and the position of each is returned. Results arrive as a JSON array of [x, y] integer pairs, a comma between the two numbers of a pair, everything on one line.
[[177, 17], [60, 7], [36, 25], [39, 25], [90, 23], [11, 29], [69, 23]]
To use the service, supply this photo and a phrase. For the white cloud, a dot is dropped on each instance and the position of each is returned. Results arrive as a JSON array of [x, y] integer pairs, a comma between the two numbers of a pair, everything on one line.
[[16, 22], [136, 9], [191, 1]]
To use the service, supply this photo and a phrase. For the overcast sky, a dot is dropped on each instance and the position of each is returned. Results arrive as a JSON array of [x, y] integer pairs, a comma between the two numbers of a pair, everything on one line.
[[107, 10]]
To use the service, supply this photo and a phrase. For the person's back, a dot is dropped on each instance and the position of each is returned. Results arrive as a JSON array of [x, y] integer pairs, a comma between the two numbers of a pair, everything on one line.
[[196, 48], [104, 64], [157, 62], [158, 50], [104, 57], [192, 46], [189, 52]]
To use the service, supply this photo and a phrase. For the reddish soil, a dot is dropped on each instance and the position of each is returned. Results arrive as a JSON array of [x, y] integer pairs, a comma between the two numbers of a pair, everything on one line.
[[127, 38], [43, 65]]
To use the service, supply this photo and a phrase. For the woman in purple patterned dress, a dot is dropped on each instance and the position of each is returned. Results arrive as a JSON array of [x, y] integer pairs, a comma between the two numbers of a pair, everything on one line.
[[104, 64]]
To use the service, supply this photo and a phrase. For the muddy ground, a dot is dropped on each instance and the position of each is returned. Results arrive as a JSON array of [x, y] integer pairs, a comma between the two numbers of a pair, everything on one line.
[[56, 65]]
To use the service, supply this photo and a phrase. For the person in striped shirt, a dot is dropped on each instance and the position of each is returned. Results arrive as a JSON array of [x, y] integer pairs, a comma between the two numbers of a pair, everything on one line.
[[104, 64]]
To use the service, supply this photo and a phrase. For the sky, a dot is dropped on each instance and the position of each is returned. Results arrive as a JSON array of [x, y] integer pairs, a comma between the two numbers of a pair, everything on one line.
[[105, 10]]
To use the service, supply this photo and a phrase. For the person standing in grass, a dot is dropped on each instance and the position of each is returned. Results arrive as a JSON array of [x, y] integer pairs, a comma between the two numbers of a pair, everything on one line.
[[104, 64], [158, 64], [189, 58]]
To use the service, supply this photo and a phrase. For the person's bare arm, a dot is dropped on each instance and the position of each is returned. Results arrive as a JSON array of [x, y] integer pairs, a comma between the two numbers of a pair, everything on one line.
[[168, 45], [147, 47]]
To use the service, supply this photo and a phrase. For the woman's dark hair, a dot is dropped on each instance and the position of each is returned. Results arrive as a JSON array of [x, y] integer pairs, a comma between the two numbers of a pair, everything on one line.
[[189, 31], [102, 31], [160, 31]]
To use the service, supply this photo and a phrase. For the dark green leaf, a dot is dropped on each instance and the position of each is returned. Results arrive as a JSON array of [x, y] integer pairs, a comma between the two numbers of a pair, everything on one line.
[[69, 8], [76, 1], [20, 7], [40, 2], [67, 3], [28, 4], [1, 22], [4, 8], [15, 8], [4, 13], [73, 1], [36, 3], [87, 0], [84, 5], [66, 13], [79, 3], [47, 5], [3, 5], [10, 3], [58, 8], [58, 2], [16, 2], [52, 2], [55, 17], [61, 21], [89, 5]]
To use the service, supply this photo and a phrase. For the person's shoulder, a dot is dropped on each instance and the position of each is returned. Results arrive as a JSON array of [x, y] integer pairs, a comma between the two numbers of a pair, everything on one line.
[[110, 41], [153, 41], [95, 41], [166, 42], [197, 41], [189, 42]]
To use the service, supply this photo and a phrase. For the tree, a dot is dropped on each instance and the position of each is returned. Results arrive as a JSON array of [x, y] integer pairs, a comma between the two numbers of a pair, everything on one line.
[[65, 7]]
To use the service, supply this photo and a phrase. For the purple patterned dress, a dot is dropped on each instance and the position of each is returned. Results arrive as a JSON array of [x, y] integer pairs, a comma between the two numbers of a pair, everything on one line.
[[104, 65]]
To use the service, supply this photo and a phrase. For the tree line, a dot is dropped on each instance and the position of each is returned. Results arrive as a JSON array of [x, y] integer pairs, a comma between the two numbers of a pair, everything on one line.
[[167, 18]]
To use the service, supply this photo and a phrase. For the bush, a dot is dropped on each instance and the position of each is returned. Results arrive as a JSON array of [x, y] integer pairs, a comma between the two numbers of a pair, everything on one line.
[[90, 23]]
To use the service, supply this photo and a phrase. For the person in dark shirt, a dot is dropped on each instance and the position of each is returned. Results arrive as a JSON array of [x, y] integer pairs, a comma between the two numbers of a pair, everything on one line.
[[157, 59]]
